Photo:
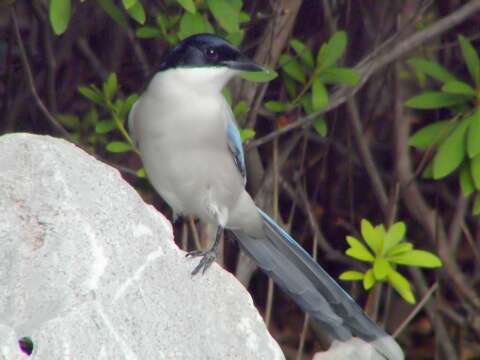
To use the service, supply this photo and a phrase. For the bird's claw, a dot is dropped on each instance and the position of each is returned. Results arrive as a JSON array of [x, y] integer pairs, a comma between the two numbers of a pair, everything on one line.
[[208, 257]]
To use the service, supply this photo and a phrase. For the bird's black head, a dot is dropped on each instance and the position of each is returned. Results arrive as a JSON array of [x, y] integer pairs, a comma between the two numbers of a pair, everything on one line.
[[207, 50]]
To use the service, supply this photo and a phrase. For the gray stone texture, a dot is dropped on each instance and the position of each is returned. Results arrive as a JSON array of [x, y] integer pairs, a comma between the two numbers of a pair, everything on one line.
[[89, 271]]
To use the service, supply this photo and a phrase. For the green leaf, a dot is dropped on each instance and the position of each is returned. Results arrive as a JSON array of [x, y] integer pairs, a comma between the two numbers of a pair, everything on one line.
[[451, 152], [475, 171], [92, 94], [227, 94], [473, 137], [105, 126], [235, 38], [431, 134], [147, 32], [110, 86], [471, 58], [69, 121], [381, 268], [332, 51], [246, 134], [276, 106], [368, 280], [141, 173], [351, 275], [127, 4], [320, 126], [319, 95], [240, 109], [458, 87], [394, 235], [399, 249], [127, 105], [435, 100], [340, 76], [225, 14], [111, 9], [59, 14], [303, 52], [466, 180], [191, 24], [427, 173], [418, 258], [137, 13], [188, 5], [401, 285], [371, 236], [476, 206], [118, 147], [358, 251], [259, 76], [292, 68], [431, 69]]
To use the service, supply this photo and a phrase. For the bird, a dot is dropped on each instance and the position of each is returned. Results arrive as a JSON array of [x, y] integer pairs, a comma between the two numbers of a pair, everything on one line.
[[192, 153]]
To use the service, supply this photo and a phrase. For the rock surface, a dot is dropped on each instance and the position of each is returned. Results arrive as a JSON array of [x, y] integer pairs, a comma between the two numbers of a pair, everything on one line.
[[89, 271]]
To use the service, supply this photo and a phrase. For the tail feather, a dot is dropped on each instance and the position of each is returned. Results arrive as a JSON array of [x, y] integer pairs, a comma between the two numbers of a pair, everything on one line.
[[310, 286]]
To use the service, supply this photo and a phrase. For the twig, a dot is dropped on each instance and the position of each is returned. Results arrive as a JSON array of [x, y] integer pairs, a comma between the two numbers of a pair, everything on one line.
[[367, 68], [416, 309], [31, 82]]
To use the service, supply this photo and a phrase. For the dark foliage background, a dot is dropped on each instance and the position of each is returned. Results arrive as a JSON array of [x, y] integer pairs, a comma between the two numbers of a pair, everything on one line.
[[318, 187]]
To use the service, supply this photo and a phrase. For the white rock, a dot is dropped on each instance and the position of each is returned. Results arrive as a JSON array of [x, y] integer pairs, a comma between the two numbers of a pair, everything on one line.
[[89, 271]]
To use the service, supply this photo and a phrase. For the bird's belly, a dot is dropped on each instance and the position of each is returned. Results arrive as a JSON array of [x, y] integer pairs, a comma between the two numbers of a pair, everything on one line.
[[193, 180]]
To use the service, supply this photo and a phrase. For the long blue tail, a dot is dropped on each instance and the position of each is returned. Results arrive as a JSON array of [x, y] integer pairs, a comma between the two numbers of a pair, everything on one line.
[[309, 285]]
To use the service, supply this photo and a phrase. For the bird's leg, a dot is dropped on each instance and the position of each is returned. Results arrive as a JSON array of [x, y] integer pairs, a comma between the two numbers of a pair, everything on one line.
[[208, 256]]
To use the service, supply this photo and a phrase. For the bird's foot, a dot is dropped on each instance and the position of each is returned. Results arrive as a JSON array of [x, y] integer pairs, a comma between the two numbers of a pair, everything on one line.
[[208, 257]]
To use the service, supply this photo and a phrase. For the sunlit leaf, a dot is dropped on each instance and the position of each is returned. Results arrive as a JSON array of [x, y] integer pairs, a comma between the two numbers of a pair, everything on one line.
[[475, 171], [340, 76], [466, 181], [435, 100], [292, 67], [381, 268], [111, 9], [191, 24], [259, 76], [319, 95], [240, 109], [368, 280], [110, 86], [458, 87], [432, 69], [69, 121], [118, 147], [401, 285], [332, 51], [451, 152], [431, 134], [246, 134], [303, 52], [105, 126], [351, 275], [147, 32], [394, 235], [141, 173], [471, 58], [276, 106], [419, 258], [476, 206], [137, 13], [358, 251], [320, 125], [188, 5], [59, 14], [92, 94], [371, 236], [473, 137], [399, 248], [225, 14], [127, 4]]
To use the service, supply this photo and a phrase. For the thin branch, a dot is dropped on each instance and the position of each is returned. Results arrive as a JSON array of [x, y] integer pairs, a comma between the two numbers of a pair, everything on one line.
[[367, 68], [31, 82]]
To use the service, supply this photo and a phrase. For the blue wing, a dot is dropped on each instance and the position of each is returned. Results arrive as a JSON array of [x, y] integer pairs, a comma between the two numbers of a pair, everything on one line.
[[236, 148]]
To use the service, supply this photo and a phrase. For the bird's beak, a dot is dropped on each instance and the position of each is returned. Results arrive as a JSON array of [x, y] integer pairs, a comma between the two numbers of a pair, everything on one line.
[[243, 63]]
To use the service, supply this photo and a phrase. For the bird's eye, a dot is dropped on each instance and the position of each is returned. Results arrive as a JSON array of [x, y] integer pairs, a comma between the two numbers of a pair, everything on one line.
[[211, 53]]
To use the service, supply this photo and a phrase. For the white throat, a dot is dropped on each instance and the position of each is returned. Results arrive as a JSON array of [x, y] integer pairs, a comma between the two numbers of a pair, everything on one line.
[[183, 81]]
